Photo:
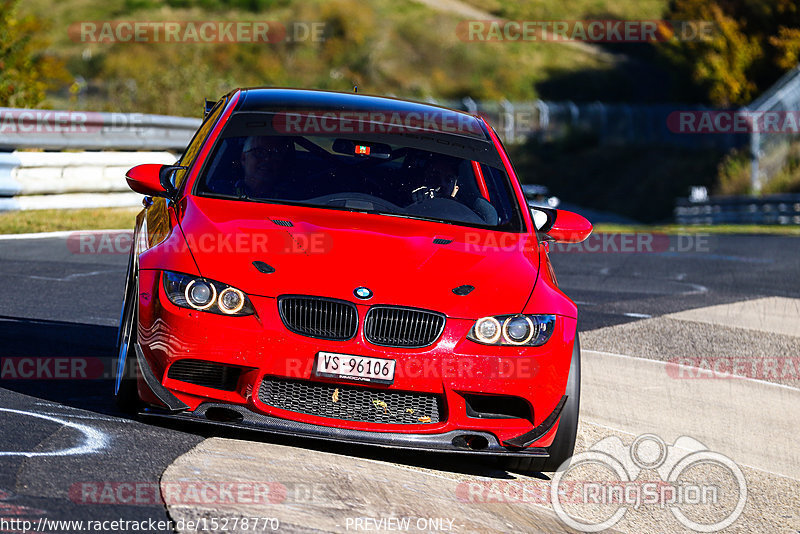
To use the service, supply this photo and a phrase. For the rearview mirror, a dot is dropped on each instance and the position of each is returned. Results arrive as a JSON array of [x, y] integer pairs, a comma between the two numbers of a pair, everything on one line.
[[152, 179], [352, 148], [560, 225]]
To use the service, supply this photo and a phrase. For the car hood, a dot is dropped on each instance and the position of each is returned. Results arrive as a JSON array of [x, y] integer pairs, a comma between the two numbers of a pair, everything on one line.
[[330, 253]]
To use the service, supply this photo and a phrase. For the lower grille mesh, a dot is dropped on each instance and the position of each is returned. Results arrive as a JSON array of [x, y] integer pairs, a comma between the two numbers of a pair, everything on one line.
[[208, 374], [351, 403]]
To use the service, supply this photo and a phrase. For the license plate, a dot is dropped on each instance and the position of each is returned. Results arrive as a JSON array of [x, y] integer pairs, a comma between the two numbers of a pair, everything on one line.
[[355, 368]]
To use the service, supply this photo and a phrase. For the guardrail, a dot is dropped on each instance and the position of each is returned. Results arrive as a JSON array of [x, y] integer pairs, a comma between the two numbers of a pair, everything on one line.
[[769, 209], [58, 176], [88, 130]]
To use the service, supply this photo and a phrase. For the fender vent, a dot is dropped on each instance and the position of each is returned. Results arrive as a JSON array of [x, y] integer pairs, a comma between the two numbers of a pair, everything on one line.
[[282, 222], [441, 241]]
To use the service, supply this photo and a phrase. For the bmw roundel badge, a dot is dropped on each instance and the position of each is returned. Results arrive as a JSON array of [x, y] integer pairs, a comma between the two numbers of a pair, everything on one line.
[[363, 293]]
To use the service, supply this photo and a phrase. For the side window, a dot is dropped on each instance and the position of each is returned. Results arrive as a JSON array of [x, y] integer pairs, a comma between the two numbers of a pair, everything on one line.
[[197, 141]]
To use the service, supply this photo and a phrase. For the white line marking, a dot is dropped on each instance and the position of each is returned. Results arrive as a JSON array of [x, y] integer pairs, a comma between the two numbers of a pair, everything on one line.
[[94, 440], [637, 315], [92, 417], [47, 235], [692, 369], [69, 277], [696, 289]]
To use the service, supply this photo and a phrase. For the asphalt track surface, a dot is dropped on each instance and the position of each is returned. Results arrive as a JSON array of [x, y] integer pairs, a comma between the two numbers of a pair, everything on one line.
[[60, 305]]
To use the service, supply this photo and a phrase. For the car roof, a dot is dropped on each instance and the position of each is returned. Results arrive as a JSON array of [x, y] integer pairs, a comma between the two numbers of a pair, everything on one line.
[[283, 99]]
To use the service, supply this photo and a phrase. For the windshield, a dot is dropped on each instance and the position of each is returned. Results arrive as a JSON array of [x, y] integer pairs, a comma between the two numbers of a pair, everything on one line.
[[362, 174]]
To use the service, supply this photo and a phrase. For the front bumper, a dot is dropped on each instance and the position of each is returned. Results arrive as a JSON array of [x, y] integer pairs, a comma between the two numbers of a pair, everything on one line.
[[451, 368], [455, 441]]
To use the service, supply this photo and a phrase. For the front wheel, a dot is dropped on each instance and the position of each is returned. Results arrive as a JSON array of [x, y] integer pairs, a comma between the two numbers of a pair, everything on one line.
[[126, 395], [564, 443]]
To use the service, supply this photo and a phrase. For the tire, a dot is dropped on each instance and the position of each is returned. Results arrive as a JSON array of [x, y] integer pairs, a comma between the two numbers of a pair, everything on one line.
[[126, 394], [564, 443]]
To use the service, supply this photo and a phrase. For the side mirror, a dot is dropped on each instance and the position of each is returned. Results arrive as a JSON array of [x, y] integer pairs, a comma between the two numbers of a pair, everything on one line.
[[560, 225], [152, 179]]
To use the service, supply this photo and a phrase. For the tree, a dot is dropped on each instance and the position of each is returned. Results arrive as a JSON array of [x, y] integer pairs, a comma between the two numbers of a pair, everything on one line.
[[27, 72], [751, 45]]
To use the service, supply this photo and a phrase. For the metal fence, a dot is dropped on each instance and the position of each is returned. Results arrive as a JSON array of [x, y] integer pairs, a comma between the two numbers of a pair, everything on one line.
[[610, 124], [771, 150], [607, 124], [516, 122], [769, 209]]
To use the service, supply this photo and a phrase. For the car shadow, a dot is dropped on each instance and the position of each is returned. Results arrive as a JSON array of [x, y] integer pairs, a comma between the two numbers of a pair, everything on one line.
[[62, 362]]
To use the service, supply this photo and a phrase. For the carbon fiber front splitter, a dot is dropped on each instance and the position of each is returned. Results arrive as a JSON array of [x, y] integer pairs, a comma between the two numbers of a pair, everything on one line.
[[456, 441]]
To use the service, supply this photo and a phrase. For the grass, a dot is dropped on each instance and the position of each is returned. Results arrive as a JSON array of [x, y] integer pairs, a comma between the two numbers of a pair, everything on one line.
[[386, 47], [23, 222]]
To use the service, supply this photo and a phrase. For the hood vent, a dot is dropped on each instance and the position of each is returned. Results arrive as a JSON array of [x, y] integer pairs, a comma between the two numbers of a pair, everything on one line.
[[441, 241], [466, 289], [282, 222], [263, 267]]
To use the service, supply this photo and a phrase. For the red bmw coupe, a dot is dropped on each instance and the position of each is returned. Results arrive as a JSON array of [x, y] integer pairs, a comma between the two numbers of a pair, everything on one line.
[[352, 268]]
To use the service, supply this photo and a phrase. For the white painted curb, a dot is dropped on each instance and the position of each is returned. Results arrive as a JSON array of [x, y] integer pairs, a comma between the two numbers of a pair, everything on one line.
[[753, 422], [62, 233]]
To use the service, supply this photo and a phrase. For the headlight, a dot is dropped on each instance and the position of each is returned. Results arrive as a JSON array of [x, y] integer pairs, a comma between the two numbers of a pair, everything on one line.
[[231, 300], [202, 294], [520, 330]]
